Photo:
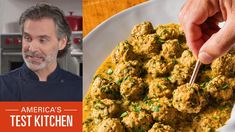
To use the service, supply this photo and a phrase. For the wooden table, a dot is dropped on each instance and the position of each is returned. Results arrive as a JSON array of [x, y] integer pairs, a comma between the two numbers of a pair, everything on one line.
[[96, 11]]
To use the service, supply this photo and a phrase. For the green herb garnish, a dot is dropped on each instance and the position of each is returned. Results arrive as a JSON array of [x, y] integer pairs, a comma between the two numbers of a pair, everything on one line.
[[119, 81], [124, 114], [137, 108], [225, 86], [156, 108], [110, 71]]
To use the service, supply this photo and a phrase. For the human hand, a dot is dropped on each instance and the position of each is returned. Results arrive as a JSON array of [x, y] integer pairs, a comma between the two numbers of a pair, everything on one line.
[[199, 20]]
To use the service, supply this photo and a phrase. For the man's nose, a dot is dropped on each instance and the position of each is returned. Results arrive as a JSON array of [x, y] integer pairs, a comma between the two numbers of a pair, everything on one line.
[[33, 46]]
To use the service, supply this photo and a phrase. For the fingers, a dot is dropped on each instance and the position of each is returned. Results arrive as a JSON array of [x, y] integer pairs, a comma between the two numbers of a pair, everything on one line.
[[218, 43], [194, 38], [199, 19], [209, 28], [191, 16]]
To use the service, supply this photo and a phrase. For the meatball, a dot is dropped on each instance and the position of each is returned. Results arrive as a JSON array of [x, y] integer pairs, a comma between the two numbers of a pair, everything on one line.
[[160, 87], [145, 45], [137, 121], [224, 65], [103, 109], [219, 88], [124, 69], [157, 127], [171, 49], [168, 31], [189, 99], [187, 59], [162, 110], [111, 125], [159, 66], [184, 45], [133, 88], [102, 88], [142, 29], [232, 82], [123, 52], [204, 75], [180, 74], [88, 125], [182, 40], [211, 119]]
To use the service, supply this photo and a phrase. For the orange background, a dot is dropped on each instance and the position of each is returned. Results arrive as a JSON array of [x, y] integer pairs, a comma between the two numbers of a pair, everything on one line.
[[96, 11]]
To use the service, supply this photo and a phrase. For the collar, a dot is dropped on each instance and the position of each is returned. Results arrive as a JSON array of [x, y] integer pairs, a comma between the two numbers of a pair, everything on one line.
[[28, 74]]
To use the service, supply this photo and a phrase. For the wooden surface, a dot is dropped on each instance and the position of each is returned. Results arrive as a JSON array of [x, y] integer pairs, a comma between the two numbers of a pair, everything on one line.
[[96, 11]]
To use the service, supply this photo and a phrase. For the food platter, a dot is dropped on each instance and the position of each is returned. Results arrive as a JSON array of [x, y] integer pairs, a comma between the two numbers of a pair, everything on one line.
[[101, 41]]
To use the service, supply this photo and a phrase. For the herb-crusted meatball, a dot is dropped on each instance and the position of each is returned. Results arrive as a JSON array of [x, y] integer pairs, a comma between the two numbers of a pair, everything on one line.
[[219, 88], [162, 110], [168, 31], [180, 74], [137, 121], [159, 66], [145, 45], [211, 119], [224, 65], [160, 87], [158, 127], [232, 83], [103, 88], [189, 99], [123, 52], [142, 29], [124, 69], [111, 125], [105, 108], [187, 59], [87, 125], [133, 88], [171, 49]]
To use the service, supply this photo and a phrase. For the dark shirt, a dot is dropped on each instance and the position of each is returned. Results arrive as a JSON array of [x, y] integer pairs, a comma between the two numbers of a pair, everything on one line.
[[23, 84]]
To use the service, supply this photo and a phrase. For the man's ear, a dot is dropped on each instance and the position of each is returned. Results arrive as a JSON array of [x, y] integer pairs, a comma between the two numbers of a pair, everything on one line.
[[62, 43]]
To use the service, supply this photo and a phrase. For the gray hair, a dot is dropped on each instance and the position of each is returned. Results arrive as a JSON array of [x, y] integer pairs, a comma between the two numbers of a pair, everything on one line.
[[43, 10]]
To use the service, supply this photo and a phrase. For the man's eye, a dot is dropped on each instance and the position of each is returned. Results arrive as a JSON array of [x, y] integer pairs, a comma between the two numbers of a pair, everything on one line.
[[27, 38], [43, 40]]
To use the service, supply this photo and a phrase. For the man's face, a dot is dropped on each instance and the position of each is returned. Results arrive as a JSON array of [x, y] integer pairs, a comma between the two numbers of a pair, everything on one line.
[[40, 44]]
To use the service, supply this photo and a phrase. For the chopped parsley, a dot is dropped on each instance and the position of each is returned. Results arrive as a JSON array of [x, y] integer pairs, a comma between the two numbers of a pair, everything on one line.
[[216, 117], [146, 98], [221, 107], [174, 61], [110, 71], [156, 108], [119, 81], [124, 114], [140, 129], [110, 79], [225, 86], [192, 89], [137, 108], [149, 102], [160, 41], [202, 85]]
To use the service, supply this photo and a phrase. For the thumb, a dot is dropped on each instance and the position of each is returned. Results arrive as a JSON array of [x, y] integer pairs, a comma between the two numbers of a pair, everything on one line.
[[218, 43]]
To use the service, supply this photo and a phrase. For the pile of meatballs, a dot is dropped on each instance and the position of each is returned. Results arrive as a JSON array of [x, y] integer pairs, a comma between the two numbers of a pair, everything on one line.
[[144, 86]]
